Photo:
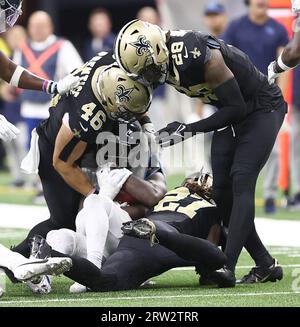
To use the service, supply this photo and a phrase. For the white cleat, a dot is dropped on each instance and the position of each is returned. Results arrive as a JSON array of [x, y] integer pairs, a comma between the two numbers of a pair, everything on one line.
[[35, 267], [78, 288], [40, 285], [1, 292]]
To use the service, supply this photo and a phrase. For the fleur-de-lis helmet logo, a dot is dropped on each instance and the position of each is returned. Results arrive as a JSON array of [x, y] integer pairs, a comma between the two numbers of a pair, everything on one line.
[[142, 45], [123, 94]]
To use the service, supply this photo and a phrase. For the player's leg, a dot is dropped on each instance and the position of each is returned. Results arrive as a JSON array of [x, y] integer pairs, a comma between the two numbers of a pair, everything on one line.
[[256, 137], [100, 218], [222, 153], [25, 269], [267, 268], [67, 242], [191, 248], [135, 262], [62, 200]]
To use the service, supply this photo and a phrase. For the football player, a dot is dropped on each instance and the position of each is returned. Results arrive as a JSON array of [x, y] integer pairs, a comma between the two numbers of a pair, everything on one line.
[[251, 112], [290, 56], [17, 76], [189, 230], [105, 93], [123, 196], [23, 269]]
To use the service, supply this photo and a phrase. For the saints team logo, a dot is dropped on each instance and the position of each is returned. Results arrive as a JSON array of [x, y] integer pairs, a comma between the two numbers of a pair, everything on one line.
[[123, 94], [142, 45]]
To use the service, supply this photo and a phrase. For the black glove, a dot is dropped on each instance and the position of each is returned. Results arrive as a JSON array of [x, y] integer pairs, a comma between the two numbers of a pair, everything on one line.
[[172, 134]]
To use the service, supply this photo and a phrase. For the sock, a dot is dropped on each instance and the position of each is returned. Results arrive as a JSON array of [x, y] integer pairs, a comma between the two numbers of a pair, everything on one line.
[[257, 250]]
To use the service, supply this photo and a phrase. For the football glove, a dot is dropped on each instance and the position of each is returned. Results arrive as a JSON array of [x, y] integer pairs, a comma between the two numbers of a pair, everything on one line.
[[8, 131], [172, 134], [272, 75], [65, 85], [111, 182]]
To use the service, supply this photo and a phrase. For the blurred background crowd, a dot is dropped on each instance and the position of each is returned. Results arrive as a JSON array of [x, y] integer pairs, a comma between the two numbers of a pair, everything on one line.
[[54, 37]]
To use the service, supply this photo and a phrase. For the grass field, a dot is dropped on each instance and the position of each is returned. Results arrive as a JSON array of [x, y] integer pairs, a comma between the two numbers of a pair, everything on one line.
[[172, 289]]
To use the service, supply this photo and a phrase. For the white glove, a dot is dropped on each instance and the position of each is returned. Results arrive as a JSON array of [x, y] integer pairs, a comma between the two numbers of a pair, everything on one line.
[[8, 131], [271, 73], [296, 6], [67, 84], [111, 183]]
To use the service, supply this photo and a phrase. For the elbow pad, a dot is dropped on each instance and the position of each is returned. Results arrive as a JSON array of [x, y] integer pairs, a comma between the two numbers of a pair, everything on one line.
[[230, 96]]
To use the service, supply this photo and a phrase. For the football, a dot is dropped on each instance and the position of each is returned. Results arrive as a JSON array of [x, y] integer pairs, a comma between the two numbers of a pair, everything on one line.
[[123, 197]]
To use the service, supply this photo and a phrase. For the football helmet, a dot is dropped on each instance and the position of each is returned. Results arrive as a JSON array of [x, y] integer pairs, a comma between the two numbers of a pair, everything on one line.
[[121, 97], [141, 50], [10, 10], [205, 183]]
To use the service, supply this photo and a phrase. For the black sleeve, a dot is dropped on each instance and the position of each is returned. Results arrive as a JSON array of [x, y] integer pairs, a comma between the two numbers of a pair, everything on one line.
[[81, 129], [233, 109]]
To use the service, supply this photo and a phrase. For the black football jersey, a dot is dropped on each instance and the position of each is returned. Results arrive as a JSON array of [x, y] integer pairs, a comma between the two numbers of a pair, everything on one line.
[[188, 55], [187, 212], [184, 201], [87, 117]]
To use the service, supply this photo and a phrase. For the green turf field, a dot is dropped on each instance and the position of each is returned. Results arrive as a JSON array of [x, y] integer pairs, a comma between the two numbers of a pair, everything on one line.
[[175, 288]]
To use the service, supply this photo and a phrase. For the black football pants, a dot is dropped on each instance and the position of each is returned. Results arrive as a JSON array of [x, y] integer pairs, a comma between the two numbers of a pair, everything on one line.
[[238, 155], [63, 201]]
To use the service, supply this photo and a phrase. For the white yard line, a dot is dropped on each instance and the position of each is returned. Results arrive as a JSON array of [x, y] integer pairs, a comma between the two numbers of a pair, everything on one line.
[[238, 267], [152, 297]]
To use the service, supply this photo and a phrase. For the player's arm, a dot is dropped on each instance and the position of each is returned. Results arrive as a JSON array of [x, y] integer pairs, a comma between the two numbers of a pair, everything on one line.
[[68, 149], [149, 192], [222, 81], [20, 77], [232, 105], [291, 53], [289, 58]]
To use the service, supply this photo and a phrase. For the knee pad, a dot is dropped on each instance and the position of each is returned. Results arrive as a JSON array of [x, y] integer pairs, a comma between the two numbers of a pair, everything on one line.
[[62, 240]]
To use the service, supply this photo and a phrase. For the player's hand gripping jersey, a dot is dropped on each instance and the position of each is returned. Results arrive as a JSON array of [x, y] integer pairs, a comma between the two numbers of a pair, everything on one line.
[[82, 107]]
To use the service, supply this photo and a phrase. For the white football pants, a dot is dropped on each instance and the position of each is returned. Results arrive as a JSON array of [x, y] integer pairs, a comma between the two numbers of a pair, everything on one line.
[[98, 231]]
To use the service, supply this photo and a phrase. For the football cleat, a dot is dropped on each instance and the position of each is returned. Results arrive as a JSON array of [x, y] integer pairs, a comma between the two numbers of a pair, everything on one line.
[[263, 274], [40, 285], [35, 268], [142, 228], [78, 288], [1, 292], [39, 249], [223, 277]]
